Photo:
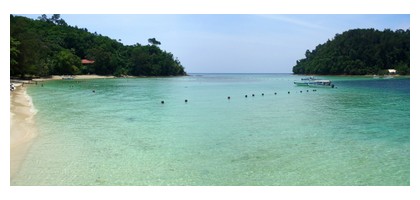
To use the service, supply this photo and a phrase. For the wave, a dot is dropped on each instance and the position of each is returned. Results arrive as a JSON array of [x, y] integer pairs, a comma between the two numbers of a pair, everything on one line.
[[31, 105]]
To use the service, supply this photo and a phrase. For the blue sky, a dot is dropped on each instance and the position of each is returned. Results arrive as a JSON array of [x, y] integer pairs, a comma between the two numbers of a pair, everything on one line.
[[232, 43]]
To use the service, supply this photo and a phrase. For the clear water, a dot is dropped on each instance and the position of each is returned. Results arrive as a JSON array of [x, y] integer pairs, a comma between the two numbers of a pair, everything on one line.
[[121, 134]]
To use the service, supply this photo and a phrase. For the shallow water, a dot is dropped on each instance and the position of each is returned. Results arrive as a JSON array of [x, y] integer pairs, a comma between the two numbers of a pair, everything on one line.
[[121, 134]]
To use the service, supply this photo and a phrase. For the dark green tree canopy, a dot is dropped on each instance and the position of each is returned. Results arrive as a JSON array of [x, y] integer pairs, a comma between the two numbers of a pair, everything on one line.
[[50, 46], [14, 52], [359, 52]]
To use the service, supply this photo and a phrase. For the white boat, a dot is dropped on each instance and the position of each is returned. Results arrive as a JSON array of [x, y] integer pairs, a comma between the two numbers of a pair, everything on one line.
[[315, 83], [311, 78], [322, 83]]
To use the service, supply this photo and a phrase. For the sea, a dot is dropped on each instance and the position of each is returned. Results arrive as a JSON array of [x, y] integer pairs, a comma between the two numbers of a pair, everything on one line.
[[220, 130]]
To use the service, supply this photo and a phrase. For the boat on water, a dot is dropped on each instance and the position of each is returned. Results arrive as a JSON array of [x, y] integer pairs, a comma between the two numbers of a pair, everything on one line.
[[311, 78], [312, 82]]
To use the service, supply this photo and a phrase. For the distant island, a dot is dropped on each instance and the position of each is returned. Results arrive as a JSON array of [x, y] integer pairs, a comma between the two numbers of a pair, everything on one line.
[[359, 52], [49, 46]]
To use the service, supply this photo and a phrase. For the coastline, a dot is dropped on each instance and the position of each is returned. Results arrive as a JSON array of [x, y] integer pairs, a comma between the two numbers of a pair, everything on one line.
[[22, 127], [22, 124], [58, 77], [344, 75]]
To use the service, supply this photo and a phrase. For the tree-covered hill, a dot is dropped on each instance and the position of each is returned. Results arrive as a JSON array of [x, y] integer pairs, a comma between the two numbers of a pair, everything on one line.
[[50, 46], [359, 52]]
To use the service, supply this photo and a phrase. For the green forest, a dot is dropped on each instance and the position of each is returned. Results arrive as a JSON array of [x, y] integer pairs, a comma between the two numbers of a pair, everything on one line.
[[359, 52], [49, 46]]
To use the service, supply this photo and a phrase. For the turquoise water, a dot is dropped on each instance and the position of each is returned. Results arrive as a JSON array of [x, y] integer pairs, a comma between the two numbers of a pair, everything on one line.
[[121, 134]]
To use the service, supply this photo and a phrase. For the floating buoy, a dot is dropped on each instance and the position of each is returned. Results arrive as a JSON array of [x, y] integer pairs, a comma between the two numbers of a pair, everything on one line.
[[246, 96], [253, 94], [288, 92], [228, 97], [162, 102], [262, 94], [93, 91], [307, 90], [186, 100], [301, 91], [275, 93]]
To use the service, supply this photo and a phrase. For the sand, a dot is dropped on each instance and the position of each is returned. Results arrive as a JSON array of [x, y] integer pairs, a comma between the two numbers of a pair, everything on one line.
[[57, 77], [22, 127], [22, 123]]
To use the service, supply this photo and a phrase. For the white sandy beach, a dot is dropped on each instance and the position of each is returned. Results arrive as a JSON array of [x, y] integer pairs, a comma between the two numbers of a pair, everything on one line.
[[22, 123], [22, 127]]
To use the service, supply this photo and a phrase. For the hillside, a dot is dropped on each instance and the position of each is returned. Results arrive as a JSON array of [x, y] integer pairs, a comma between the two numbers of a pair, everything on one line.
[[359, 52], [50, 46]]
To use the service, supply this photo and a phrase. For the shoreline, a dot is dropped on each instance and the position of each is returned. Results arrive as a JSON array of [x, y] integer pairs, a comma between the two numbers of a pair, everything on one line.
[[94, 76], [340, 75], [22, 127], [78, 77]]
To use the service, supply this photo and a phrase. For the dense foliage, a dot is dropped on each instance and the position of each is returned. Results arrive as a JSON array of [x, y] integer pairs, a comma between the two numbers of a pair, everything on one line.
[[359, 52], [50, 46]]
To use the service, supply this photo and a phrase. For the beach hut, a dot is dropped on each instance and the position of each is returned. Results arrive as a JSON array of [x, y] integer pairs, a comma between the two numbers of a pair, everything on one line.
[[87, 66], [87, 62]]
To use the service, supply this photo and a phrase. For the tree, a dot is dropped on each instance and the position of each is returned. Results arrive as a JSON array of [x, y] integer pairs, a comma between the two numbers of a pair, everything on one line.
[[66, 62], [14, 51], [55, 17], [359, 51], [44, 18], [153, 41], [49, 46]]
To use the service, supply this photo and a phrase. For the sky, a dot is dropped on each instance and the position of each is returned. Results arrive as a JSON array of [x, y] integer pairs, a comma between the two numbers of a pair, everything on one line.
[[232, 43]]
